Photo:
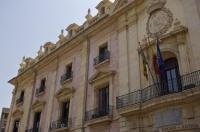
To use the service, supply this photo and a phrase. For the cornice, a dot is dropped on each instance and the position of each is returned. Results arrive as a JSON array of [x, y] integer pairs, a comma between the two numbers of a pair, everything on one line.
[[100, 24]]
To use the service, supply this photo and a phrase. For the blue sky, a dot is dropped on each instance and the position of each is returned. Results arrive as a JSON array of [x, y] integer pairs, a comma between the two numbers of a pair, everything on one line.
[[25, 25]]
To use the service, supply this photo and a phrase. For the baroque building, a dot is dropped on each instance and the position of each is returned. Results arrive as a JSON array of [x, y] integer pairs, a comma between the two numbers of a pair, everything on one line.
[[103, 76]]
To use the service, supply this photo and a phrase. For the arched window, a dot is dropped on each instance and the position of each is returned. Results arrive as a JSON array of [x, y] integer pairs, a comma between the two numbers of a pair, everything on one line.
[[172, 76]]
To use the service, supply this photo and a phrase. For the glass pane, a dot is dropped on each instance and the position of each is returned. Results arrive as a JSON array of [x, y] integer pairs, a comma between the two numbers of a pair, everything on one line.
[[169, 81], [174, 77]]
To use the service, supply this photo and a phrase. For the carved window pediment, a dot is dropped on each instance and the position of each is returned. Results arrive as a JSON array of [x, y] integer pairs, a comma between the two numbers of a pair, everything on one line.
[[17, 113], [38, 105], [101, 75], [64, 93]]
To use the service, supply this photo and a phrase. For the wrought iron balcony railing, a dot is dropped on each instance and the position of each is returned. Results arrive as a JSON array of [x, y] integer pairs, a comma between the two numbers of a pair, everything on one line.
[[62, 123], [37, 129], [40, 90], [66, 76], [98, 112], [101, 58], [20, 100], [180, 84]]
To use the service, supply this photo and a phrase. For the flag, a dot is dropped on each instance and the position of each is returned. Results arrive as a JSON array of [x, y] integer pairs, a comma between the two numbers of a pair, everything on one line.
[[145, 73], [145, 63], [159, 60]]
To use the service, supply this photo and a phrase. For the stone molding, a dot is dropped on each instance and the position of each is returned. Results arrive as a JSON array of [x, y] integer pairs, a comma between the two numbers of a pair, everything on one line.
[[64, 93], [17, 113], [38, 105], [99, 75]]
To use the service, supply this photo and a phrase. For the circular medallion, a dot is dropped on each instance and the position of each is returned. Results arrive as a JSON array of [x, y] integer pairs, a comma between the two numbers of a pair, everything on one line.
[[159, 22]]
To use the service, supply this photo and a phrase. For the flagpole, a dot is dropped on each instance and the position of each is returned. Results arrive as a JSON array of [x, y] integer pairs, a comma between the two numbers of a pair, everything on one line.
[[144, 57], [148, 41]]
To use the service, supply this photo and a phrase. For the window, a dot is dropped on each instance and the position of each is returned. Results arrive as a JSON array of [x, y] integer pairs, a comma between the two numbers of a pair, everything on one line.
[[21, 98], [43, 82], [65, 111], [104, 54], [16, 126], [103, 100], [68, 73], [22, 95], [103, 49], [171, 81], [69, 69], [36, 122]]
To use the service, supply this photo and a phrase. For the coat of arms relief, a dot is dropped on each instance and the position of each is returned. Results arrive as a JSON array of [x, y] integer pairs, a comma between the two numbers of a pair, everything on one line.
[[160, 18]]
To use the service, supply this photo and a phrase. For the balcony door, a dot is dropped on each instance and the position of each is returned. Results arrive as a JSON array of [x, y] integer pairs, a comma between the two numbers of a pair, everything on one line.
[[173, 83], [36, 122], [16, 126], [65, 111], [103, 100], [103, 52]]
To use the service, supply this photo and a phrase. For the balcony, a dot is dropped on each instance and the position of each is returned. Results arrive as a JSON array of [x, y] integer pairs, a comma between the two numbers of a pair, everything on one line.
[[19, 101], [66, 77], [33, 130], [179, 89], [102, 58], [99, 115], [60, 125], [40, 90]]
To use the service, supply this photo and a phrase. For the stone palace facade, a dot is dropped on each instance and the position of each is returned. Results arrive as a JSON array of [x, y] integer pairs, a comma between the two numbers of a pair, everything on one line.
[[102, 76]]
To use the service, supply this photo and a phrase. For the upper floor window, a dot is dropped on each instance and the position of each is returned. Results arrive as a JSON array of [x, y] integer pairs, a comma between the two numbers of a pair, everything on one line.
[[65, 111], [68, 73], [42, 86], [171, 81], [63, 121], [21, 98], [43, 82], [103, 100], [104, 54]]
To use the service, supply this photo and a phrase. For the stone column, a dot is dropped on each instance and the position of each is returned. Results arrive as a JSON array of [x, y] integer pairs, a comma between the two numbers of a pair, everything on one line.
[[53, 77], [123, 56], [193, 23]]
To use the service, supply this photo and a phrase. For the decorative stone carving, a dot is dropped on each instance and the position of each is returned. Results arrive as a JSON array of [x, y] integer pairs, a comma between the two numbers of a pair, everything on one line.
[[61, 36], [72, 29], [177, 24], [48, 47], [101, 75], [26, 62], [38, 105], [17, 113], [64, 93], [103, 7], [40, 52], [159, 22], [88, 16], [154, 5]]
